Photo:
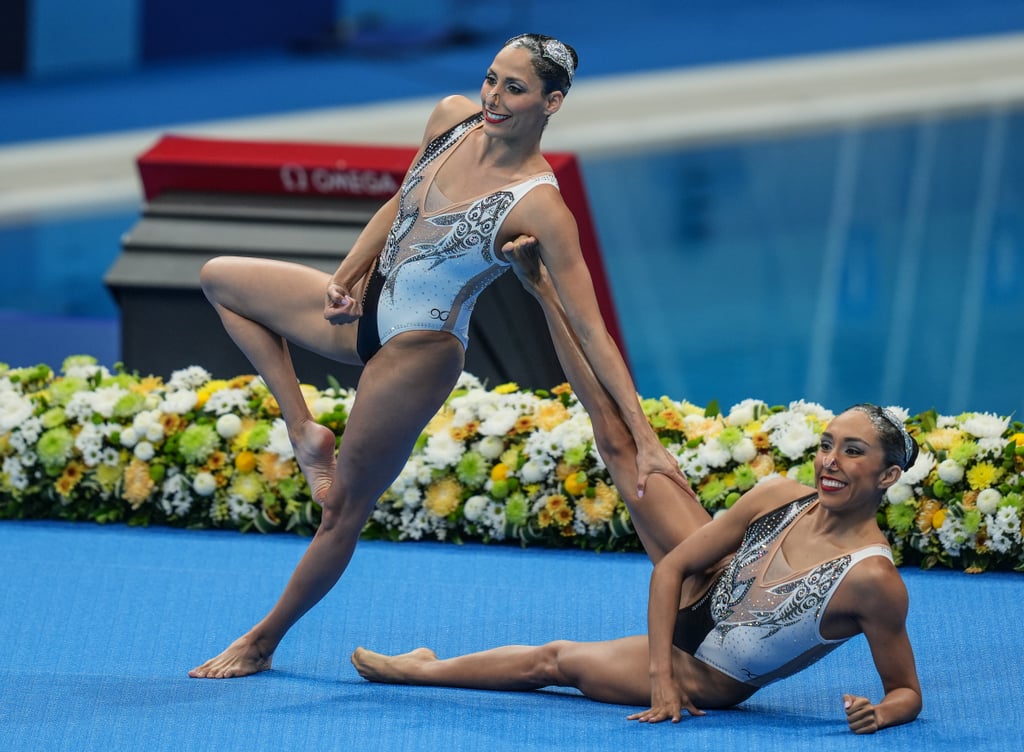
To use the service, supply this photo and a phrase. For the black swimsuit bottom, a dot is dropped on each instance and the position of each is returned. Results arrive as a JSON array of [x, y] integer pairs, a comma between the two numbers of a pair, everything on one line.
[[694, 623], [368, 336]]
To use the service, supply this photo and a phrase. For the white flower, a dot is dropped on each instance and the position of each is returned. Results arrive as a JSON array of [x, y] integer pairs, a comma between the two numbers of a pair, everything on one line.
[[951, 471], [986, 425], [988, 500], [189, 378], [229, 426], [412, 498], [743, 413], [104, 399], [534, 471], [920, 470], [474, 507], [899, 492], [323, 405], [900, 412], [713, 454], [1004, 529], [499, 422], [179, 402], [279, 443], [227, 400], [490, 447], [442, 450], [129, 437], [204, 484], [745, 450], [144, 451], [14, 409]]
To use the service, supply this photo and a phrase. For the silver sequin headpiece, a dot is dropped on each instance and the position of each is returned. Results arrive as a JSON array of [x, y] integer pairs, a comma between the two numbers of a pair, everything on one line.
[[908, 441], [559, 54]]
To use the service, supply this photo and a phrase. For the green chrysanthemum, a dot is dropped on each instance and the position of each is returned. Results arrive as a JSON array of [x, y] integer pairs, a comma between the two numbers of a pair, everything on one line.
[[575, 455], [746, 478], [53, 417], [259, 436], [730, 437], [54, 447], [964, 451], [803, 473], [62, 390], [713, 492], [515, 509], [197, 443], [972, 521], [472, 469], [129, 405], [900, 517]]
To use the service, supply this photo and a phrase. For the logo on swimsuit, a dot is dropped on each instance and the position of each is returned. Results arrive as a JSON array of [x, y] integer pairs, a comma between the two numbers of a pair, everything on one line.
[[437, 313], [295, 178]]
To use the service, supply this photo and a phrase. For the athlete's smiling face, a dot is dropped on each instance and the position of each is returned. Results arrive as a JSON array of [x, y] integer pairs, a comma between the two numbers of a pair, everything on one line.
[[513, 95], [850, 462]]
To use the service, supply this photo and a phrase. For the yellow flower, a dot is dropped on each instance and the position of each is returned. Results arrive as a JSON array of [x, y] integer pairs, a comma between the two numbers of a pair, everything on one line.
[[1018, 439], [556, 502], [761, 440], [171, 423], [938, 518], [270, 406], [440, 422], [70, 478], [563, 388], [146, 385], [943, 439], [601, 507], [762, 465], [245, 462], [499, 471], [208, 389], [549, 415], [522, 425], [926, 516], [137, 483], [442, 497], [509, 388], [543, 518], [274, 469], [239, 382], [563, 516], [698, 427], [982, 475], [247, 486], [576, 483]]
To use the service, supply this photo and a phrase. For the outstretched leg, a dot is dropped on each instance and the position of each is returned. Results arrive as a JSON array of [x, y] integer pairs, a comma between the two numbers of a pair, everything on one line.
[[421, 367], [615, 671], [666, 514]]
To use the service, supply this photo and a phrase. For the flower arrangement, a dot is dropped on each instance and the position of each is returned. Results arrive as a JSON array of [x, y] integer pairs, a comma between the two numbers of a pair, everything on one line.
[[501, 464]]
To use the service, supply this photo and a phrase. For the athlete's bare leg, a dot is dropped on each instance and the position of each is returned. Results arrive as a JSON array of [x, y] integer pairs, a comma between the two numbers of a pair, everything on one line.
[[666, 514], [263, 305], [614, 671], [423, 367]]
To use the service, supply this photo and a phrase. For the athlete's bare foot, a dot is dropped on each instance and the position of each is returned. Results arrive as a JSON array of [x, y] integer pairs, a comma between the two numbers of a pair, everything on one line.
[[314, 451], [391, 669], [242, 658]]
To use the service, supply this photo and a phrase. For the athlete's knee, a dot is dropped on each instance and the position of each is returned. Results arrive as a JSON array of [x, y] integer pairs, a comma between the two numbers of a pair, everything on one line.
[[554, 667], [213, 274]]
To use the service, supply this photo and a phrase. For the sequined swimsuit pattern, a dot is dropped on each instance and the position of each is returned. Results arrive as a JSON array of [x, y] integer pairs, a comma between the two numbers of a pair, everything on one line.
[[436, 263], [765, 631]]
